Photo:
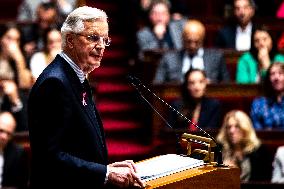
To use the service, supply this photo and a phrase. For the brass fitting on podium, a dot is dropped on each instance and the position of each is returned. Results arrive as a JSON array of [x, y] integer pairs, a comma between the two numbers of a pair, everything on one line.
[[206, 155]]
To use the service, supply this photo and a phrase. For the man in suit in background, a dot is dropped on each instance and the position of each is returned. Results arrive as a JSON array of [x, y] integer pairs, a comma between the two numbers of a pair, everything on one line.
[[66, 133], [162, 33], [238, 34], [174, 65], [13, 158]]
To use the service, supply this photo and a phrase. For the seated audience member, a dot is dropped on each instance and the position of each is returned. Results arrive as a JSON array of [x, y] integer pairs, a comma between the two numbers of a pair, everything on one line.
[[238, 34], [278, 166], [33, 34], [12, 100], [27, 9], [163, 33], [174, 65], [14, 160], [179, 8], [203, 111], [41, 59], [12, 61], [252, 66], [267, 112], [242, 148]]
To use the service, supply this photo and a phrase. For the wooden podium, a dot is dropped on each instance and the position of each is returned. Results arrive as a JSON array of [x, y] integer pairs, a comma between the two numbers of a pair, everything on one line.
[[202, 177]]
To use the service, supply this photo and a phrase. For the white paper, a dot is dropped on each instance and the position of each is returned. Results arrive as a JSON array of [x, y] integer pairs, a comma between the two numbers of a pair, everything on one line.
[[165, 165]]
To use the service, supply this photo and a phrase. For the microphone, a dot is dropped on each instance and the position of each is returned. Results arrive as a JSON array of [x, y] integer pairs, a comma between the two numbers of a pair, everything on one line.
[[136, 83]]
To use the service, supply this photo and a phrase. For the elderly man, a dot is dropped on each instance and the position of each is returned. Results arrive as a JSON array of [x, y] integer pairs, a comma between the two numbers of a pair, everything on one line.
[[66, 133], [238, 35], [174, 65]]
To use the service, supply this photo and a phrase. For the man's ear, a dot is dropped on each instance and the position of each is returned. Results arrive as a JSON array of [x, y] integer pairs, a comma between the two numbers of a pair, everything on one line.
[[208, 81], [69, 40]]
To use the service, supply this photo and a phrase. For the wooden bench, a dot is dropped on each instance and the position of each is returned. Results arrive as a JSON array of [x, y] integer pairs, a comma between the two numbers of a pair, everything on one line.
[[152, 59], [232, 96]]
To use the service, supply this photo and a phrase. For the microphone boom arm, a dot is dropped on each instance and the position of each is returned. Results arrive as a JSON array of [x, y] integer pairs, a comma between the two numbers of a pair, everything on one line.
[[135, 82]]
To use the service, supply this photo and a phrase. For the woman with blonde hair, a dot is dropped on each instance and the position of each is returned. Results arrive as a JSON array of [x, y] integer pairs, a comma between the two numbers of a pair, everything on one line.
[[242, 148]]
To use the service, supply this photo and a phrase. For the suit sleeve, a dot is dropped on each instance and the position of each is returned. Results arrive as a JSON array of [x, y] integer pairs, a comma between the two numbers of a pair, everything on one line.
[[51, 106], [161, 72], [225, 76]]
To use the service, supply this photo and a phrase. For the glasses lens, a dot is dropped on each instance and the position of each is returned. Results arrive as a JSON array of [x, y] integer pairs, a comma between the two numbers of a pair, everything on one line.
[[107, 41], [94, 38]]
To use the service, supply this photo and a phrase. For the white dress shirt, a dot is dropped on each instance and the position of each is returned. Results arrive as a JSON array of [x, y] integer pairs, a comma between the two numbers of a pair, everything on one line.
[[196, 62], [243, 38]]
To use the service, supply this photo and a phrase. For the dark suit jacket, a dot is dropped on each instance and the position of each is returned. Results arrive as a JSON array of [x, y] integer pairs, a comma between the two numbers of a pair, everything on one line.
[[261, 164], [15, 171], [210, 114], [67, 139], [226, 37], [170, 67]]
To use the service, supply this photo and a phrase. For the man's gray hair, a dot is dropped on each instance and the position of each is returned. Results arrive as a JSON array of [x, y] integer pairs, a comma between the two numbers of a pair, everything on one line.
[[74, 22]]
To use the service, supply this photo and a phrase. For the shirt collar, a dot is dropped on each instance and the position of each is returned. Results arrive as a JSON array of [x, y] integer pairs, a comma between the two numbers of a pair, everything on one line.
[[199, 53], [248, 29], [73, 65]]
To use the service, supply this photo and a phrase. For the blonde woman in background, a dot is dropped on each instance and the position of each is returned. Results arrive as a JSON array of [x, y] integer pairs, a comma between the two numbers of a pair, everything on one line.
[[242, 148]]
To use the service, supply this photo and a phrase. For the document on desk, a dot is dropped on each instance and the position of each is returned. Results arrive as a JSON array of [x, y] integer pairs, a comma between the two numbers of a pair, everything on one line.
[[164, 165]]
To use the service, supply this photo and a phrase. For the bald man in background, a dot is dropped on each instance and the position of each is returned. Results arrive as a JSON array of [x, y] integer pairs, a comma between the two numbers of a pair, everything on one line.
[[14, 169], [175, 64]]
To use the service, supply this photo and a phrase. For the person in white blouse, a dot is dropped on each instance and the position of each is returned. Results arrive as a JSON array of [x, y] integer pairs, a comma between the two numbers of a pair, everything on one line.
[[278, 166], [41, 59]]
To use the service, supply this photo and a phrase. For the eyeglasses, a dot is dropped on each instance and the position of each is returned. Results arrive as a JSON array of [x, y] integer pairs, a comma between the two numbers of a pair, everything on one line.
[[96, 39]]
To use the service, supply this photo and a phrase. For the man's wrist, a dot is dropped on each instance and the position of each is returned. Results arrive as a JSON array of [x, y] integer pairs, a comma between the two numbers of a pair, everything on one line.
[[107, 173]]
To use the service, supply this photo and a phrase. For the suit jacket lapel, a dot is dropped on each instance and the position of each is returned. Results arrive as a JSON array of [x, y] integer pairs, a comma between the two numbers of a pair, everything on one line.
[[206, 61], [90, 112]]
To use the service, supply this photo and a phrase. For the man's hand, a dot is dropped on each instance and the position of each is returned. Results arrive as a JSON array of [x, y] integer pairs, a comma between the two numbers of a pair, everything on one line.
[[123, 174], [160, 30], [11, 90]]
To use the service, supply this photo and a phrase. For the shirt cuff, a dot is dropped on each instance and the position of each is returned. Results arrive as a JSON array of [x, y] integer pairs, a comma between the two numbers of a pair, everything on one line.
[[107, 173]]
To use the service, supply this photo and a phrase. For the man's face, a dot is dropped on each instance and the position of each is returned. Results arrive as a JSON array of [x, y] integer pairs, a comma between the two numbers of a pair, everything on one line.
[[87, 52], [46, 17], [160, 14], [243, 11], [193, 39], [7, 127]]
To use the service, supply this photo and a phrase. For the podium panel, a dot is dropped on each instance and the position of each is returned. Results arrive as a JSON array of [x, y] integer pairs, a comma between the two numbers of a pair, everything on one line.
[[203, 177]]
